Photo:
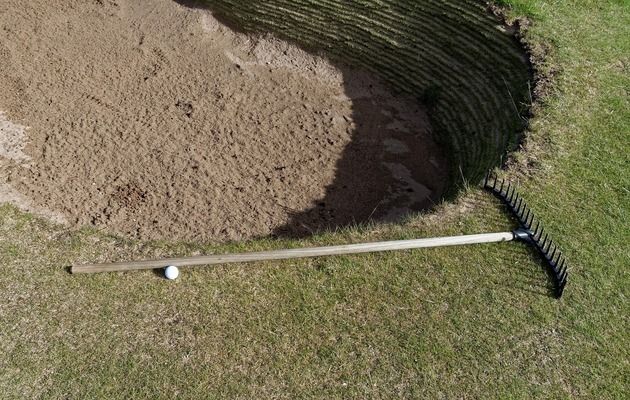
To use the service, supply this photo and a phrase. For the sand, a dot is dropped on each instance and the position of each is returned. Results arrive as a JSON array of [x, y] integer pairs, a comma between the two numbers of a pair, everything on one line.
[[152, 120]]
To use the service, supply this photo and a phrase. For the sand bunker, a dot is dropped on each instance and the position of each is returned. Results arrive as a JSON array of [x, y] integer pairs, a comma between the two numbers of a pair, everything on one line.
[[151, 119]]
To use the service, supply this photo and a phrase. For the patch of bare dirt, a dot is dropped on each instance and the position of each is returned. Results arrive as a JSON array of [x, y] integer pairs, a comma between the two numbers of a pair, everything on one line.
[[153, 120]]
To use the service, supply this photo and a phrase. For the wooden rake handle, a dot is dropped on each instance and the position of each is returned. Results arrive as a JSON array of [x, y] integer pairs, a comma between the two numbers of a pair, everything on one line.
[[296, 253]]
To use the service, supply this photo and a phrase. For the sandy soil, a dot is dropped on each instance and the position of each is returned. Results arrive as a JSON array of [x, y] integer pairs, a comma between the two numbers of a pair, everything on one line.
[[151, 119]]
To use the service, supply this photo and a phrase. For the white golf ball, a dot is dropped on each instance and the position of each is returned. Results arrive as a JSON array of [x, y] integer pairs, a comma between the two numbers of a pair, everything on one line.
[[171, 272]]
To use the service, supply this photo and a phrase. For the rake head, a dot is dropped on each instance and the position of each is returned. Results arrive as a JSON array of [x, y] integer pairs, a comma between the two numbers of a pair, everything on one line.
[[531, 231]]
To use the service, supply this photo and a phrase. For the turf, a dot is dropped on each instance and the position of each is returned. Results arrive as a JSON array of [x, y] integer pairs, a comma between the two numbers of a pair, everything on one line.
[[469, 322]]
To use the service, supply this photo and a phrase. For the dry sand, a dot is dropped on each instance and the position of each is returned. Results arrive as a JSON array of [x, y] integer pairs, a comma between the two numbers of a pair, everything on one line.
[[151, 119]]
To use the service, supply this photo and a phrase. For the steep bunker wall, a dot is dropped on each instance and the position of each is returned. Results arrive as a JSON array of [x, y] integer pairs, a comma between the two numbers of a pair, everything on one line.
[[232, 119], [452, 54]]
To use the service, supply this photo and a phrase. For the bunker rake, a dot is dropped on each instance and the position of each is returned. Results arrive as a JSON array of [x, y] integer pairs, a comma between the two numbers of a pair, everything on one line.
[[530, 231], [533, 234]]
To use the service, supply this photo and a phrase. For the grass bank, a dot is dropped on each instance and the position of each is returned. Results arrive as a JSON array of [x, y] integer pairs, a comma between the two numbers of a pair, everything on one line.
[[454, 55]]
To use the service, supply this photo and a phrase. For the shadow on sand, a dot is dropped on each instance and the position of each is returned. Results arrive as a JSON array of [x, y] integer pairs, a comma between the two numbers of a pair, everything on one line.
[[390, 169]]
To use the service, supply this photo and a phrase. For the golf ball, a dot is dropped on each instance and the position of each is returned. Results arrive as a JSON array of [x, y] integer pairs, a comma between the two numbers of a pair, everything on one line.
[[171, 272]]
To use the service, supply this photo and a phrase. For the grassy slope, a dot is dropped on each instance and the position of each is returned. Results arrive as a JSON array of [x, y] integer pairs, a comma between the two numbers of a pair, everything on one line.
[[460, 322], [447, 52]]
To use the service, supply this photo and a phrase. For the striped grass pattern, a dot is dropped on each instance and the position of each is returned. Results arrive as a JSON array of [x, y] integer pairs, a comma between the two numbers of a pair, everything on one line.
[[452, 54]]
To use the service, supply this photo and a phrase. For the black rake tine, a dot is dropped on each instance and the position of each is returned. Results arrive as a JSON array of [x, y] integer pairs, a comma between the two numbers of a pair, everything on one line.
[[549, 255], [557, 260], [562, 273], [514, 195], [561, 269], [564, 270], [521, 208], [486, 182], [528, 223], [554, 269], [545, 241], [537, 226], [528, 214], [514, 198], [563, 277], [551, 262], [562, 264], [545, 245]]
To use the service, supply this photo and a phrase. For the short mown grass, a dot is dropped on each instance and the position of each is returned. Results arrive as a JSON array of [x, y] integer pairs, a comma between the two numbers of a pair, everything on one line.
[[466, 322]]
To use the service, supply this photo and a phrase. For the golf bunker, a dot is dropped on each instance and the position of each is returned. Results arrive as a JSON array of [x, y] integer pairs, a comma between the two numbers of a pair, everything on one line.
[[158, 119]]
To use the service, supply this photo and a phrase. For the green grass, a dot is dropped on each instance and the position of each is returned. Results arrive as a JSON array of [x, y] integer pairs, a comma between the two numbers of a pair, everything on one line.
[[469, 322]]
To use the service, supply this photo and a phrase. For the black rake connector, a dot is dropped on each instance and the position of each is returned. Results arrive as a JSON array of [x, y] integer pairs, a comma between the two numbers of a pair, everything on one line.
[[531, 231]]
